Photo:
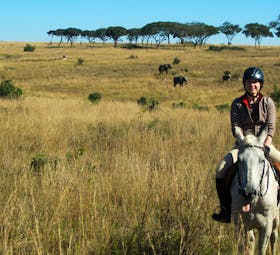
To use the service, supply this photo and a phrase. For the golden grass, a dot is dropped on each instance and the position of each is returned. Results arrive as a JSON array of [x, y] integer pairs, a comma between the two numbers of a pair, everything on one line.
[[117, 179]]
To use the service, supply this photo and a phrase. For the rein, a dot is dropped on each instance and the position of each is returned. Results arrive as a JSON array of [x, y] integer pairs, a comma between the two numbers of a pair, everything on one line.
[[265, 166], [261, 180], [253, 146]]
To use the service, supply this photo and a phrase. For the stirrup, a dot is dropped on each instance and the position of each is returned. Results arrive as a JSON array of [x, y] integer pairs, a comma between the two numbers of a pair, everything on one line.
[[224, 216]]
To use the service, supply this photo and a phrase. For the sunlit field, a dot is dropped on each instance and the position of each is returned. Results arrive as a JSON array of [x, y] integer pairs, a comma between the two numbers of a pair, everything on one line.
[[114, 177]]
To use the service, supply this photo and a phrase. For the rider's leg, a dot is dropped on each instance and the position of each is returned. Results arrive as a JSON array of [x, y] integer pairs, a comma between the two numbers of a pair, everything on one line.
[[272, 153], [223, 189], [274, 157]]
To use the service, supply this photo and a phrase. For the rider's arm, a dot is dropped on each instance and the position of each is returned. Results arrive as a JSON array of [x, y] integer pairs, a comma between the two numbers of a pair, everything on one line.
[[271, 118], [235, 117]]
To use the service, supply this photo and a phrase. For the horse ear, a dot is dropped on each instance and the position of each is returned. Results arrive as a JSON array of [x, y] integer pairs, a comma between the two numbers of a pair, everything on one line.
[[263, 135], [238, 134]]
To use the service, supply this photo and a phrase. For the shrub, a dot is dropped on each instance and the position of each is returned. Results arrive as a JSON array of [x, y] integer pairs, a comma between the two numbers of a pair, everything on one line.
[[181, 104], [142, 101], [133, 56], [94, 97], [214, 48], [131, 46], [75, 153], [80, 61], [200, 107], [29, 47], [224, 47], [7, 89], [223, 107], [38, 162], [176, 61], [152, 105], [148, 104]]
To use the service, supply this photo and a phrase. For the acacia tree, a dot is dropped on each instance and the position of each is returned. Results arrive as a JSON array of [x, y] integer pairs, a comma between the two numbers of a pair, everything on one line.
[[145, 34], [115, 33], [257, 32], [59, 33], [101, 34], [199, 32], [167, 29], [276, 25], [51, 33], [71, 34], [229, 30], [133, 34], [180, 31], [155, 30], [90, 35]]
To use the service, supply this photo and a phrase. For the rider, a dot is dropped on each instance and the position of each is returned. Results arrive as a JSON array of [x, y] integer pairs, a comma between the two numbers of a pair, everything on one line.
[[250, 113]]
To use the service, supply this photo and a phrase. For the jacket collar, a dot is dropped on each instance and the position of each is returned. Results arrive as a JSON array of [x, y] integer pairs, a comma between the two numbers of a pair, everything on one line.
[[245, 100]]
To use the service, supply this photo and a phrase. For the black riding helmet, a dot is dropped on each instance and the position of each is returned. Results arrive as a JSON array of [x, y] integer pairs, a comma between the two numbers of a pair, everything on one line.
[[253, 73]]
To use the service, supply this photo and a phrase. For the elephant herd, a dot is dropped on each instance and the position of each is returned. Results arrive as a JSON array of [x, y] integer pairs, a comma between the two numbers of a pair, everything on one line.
[[181, 80]]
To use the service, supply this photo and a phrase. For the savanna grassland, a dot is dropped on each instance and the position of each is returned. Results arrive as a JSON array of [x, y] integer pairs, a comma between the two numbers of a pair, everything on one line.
[[87, 178]]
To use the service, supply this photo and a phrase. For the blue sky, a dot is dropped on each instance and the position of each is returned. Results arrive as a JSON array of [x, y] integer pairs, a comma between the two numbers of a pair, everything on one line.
[[30, 20]]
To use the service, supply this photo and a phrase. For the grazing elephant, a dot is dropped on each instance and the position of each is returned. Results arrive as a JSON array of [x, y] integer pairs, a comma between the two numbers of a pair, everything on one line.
[[226, 76], [164, 68], [179, 80]]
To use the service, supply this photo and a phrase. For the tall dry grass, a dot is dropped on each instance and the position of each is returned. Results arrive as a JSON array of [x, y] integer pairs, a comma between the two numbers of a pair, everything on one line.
[[115, 179]]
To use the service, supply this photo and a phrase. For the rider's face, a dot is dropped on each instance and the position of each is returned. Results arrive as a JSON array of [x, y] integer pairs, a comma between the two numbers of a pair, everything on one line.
[[253, 86]]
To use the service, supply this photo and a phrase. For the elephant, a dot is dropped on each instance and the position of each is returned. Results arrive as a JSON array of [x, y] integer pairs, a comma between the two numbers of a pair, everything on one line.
[[181, 80], [164, 68]]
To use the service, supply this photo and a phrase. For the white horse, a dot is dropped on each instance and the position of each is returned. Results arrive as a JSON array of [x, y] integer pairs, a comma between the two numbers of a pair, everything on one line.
[[254, 197]]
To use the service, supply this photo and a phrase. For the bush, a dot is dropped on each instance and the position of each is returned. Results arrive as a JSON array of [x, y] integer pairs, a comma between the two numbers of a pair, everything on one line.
[[148, 104], [131, 46], [94, 97], [38, 162], [7, 89], [75, 153], [80, 61], [223, 107], [176, 61], [133, 56], [142, 101], [153, 103], [29, 47], [224, 47], [200, 107], [181, 104]]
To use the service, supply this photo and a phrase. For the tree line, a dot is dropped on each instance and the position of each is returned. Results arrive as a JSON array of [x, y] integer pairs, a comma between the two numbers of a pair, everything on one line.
[[196, 33]]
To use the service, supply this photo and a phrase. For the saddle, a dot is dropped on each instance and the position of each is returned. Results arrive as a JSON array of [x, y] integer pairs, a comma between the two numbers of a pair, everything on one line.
[[276, 166]]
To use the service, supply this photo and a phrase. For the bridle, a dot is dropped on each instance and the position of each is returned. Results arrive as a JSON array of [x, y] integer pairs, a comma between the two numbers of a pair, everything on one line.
[[264, 170]]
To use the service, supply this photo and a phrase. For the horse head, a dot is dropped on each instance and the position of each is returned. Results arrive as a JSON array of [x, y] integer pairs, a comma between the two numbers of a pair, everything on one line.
[[252, 166]]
